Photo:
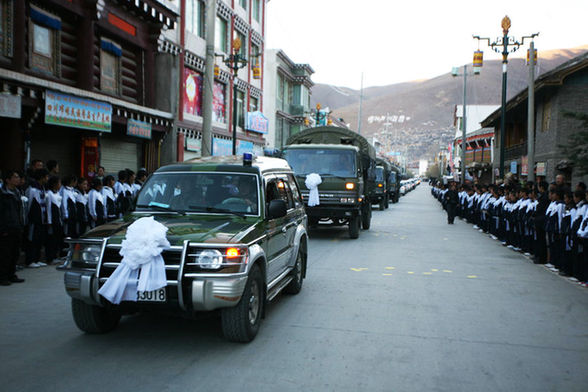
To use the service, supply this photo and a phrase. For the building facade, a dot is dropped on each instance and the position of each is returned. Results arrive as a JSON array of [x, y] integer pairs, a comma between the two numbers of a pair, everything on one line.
[[79, 83], [558, 93], [287, 91], [243, 19]]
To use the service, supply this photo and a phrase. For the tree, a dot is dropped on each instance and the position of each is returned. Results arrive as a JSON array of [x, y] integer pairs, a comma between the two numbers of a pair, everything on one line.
[[577, 148]]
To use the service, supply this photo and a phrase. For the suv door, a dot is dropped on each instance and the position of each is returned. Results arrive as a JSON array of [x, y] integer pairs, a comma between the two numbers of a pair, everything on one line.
[[279, 250]]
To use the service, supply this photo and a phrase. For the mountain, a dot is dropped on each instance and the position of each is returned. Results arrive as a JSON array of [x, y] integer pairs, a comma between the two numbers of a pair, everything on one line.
[[420, 113]]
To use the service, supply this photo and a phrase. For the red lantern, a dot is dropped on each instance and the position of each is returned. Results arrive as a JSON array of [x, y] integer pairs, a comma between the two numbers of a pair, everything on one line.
[[478, 58]]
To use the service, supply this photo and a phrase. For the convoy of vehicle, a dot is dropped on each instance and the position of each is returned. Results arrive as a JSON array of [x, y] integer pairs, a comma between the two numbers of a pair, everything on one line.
[[237, 230]]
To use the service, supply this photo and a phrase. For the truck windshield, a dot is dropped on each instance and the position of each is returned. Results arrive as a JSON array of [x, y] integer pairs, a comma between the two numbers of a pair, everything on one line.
[[200, 192], [393, 177], [335, 162], [379, 174]]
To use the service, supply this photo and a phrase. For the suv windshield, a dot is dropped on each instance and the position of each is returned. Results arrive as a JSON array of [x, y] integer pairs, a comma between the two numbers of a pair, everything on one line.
[[335, 162], [200, 192]]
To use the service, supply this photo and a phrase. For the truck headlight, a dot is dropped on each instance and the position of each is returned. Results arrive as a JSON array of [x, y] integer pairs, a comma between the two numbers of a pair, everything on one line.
[[210, 258]]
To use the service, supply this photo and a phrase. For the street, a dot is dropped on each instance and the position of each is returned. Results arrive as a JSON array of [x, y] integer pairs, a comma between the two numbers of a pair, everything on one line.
[[412, 305]]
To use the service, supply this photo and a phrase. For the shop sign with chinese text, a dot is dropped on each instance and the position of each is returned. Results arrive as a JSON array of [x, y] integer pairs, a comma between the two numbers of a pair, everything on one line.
[[256, 122], [69, 111], [139, 129]]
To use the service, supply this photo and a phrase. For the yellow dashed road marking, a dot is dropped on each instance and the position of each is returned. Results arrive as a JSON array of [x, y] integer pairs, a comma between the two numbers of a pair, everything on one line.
[[358, 269], [390, 268], [435, 270], [387, 274], [448, 271], [410, 272], [427, 273], [472, 276]]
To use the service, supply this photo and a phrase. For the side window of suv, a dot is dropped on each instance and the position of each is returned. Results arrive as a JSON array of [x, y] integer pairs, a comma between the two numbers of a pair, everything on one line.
[[278, 188], [295, 191]]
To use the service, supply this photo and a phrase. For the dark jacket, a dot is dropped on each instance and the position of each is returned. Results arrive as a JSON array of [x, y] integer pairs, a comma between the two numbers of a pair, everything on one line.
[[451, 197], [11, 214]]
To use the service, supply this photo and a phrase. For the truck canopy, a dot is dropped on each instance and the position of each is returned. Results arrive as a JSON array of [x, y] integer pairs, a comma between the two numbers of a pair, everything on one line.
[[334, 135]]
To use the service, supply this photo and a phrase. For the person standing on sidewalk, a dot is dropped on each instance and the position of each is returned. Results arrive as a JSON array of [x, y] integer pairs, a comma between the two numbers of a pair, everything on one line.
[[451, 200], [11, 228]]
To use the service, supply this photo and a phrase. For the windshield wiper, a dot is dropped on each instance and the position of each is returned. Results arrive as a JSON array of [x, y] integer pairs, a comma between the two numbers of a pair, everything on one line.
[[161, 207], [223, 210]]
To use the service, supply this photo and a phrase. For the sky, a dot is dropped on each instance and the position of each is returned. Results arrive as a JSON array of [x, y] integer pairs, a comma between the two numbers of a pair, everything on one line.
[[392, 41]]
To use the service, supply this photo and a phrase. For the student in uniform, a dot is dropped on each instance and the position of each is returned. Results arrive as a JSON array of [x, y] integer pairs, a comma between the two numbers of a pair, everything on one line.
[[539, 218], [451, 200], [11, 227], [36, 218], [123, 193], [582, 233], [53, 202], [139, 181], [581, 210], [109, 198], [554, 215], [81, 206], [96, 204], [68, 206]]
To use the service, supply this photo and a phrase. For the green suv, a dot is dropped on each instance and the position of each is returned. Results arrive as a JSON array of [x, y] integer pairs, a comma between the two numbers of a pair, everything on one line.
[[238, 235]]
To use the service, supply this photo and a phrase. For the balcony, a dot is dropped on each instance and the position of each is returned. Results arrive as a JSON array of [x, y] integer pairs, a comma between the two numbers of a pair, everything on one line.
[[516, 151]]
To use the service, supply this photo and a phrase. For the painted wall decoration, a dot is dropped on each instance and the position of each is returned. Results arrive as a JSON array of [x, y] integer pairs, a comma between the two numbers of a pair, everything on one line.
[[219, 103], [192, 92], [70, 111]]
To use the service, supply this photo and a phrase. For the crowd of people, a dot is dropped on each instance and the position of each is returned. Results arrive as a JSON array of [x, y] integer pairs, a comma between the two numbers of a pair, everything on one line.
[[548, 222], [40, 208]]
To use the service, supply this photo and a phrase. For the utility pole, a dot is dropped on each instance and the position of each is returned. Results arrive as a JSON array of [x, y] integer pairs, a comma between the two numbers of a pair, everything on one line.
[[531, 116], [208, 80], [360, 104]]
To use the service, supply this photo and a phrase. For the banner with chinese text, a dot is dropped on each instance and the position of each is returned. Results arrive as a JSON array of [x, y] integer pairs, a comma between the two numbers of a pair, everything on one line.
[[69, 111], [139, 129]]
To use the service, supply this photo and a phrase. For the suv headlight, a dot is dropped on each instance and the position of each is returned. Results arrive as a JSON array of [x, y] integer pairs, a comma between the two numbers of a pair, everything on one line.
[[210, 258], [86, 253]]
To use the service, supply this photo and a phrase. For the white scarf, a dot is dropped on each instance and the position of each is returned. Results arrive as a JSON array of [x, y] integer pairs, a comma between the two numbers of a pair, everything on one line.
[[141, 251], [312, 182]]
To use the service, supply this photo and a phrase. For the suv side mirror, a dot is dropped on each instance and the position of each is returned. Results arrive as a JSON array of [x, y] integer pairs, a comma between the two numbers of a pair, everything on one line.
[[277, 209]]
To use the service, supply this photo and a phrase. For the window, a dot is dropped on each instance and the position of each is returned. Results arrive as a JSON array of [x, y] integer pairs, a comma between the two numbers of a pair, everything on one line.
[[6, 19], [220, 35], [110, 75], [243, 50], [253, 102], [195, 17], [44, 31], [240, 111], [546, 121], [295, 191], [257, 10], [243, 3]]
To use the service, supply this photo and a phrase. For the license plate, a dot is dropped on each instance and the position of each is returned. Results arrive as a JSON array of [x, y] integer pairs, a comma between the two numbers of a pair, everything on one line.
[[152, 296]]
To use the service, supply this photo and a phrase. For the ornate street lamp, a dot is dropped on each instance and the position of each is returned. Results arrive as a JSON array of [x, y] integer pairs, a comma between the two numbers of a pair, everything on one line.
[[504, 45], [234, 62]]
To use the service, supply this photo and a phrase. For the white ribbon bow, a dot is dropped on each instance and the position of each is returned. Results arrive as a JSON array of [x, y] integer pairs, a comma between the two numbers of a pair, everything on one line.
[[312, 182], [141, 251]]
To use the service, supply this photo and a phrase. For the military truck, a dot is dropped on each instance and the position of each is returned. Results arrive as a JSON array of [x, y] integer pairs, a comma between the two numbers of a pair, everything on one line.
[[394, 178], [346, 163], [381, 194]]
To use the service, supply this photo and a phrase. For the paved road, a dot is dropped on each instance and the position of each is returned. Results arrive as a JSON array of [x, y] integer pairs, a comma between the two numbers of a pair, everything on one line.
[[412, 305]]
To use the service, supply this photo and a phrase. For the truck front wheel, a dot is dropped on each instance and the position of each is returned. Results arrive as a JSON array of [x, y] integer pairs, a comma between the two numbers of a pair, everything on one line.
[[366, 216], [241, 322], [354, 227], [92, 318]]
